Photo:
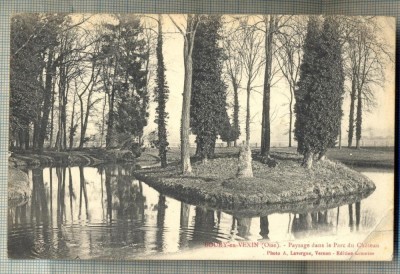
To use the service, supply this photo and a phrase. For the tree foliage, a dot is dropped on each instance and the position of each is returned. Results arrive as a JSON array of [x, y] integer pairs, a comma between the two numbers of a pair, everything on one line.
[[34, 38], [320, 89], [367, 56], [208, 102], [26, 64], [124, 77], [288, 56], [161, 96], [227, 131], [234, 70]]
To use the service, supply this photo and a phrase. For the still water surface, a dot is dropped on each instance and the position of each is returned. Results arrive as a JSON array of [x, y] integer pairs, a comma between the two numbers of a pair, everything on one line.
[[104, 212]]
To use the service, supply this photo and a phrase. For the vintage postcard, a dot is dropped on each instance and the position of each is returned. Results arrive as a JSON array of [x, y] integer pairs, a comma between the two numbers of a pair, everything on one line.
[[205, 137]]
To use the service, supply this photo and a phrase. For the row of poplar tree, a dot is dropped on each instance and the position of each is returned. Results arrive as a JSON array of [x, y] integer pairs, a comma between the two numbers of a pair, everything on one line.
[[67, 68], [315, 57]]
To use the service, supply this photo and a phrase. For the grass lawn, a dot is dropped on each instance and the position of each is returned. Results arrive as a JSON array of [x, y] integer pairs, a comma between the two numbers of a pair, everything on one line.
[[373, 157], [368, 157]]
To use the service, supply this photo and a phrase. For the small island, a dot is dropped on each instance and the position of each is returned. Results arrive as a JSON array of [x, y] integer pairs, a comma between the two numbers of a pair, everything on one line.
[[215, 182]]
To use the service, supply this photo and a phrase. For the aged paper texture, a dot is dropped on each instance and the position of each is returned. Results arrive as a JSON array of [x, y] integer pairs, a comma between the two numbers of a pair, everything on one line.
[[201, 137]]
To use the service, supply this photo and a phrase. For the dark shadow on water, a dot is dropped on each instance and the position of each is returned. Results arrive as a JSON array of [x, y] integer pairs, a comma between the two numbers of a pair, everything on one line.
[[104, 212]]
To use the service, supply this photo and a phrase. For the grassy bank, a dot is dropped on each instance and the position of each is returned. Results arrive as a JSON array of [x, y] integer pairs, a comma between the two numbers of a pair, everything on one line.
[[18, 186], [215, 182], [366, 157], [73, 157]]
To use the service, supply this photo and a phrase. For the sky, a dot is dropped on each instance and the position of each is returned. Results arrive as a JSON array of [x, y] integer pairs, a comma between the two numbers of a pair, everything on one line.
[[377, 123]]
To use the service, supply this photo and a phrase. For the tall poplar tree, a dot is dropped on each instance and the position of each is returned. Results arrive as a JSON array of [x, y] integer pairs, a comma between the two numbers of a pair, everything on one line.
[[208, 102], [161, 96], [320, 91]]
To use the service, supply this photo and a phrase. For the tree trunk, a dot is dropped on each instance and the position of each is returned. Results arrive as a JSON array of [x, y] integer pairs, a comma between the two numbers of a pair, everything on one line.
[[63, 86], [245, 169], [291, 114], [236, 112], [52, 115], [71, 128], [185, 122], [351, 114], [35, 135], [57, 144], [359, 119], [64, 120], [20, 139], [198, 146], [84, 119], [211, 150], [50, 69], [82, 137], [26, 137], [110, 124], [322, 156], [266, 123], [308, 160], [248, 89], [85, 123], [103, 116]]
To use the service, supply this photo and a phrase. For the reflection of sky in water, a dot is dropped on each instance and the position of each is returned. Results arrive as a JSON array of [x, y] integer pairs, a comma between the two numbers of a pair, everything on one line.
[[112, 215]]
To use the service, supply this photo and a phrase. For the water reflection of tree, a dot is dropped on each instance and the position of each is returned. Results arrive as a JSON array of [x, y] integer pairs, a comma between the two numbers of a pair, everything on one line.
[[108, 193], [243, 227], [301, 225], [161, 206], [39, 239], [184, 225], [357, 213], [125, 197], [130, 201], [311, 223], [71, 194], [264, 227], [39, 209], [51, 194], [84, 191], [17, 215], [60, 172], [205, 227]]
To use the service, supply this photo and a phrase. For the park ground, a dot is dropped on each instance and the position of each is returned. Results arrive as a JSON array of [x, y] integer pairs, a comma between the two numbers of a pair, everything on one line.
[[367, 157], [215, 182]]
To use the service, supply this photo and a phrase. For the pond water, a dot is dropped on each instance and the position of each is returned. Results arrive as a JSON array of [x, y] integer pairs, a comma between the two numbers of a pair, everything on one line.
[[105, 213]]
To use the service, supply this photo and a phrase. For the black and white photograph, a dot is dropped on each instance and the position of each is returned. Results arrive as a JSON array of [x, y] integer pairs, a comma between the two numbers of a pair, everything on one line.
[[201, 137]]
